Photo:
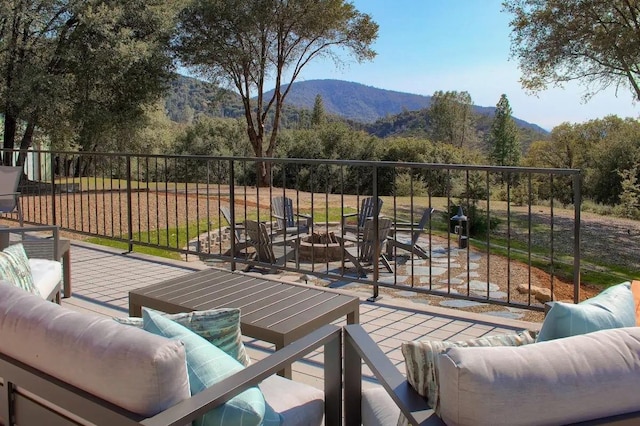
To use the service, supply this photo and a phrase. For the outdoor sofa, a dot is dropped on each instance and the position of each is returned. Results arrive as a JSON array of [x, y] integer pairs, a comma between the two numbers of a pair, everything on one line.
[[584, 369], [59, 366]]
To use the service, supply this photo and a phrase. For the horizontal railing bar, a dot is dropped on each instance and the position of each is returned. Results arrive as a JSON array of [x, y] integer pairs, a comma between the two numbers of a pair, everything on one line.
[[351, 163]]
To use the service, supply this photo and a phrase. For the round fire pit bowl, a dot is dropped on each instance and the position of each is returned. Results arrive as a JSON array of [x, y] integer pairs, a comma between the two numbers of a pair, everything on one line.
[[321, 247]]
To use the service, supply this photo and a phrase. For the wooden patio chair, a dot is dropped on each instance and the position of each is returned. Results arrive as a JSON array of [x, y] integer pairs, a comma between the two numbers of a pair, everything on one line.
[[410, 245], [240, 242], [267, 250], [9, 195], [368, 209], [286, 221], [368, 249]]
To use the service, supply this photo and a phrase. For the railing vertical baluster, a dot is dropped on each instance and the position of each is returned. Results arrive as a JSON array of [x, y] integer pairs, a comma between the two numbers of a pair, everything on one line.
[[129, 200], [529, 241], [552, 237], [232, 209], [376, 231], [54, 214], [577, 202]]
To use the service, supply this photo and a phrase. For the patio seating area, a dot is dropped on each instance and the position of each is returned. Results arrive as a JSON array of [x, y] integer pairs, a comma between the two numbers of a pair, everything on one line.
[[102, 278]]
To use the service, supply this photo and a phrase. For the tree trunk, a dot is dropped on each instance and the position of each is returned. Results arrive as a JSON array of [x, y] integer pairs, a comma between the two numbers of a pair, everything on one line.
[[25, 144], [9, 138]]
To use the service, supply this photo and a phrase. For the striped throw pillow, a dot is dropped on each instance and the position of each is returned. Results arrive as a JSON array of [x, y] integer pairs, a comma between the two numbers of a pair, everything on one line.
[[220, 327], [14, 268]]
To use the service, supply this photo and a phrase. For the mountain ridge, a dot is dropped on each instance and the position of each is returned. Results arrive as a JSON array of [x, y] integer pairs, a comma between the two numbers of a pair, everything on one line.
[[366, 104]]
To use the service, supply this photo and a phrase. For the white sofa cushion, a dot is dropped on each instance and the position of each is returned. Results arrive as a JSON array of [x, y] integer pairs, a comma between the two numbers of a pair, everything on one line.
[[378, 409], [129, 367], [303, 406], [561, 381], [46, 274], [420, 356]]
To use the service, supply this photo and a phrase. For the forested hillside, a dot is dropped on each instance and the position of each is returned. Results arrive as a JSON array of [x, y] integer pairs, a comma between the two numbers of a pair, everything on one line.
[[367, 104], [395, 113]]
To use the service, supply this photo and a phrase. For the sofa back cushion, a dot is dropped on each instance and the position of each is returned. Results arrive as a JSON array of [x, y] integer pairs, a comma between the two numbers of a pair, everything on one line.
[[561, 381], [420, 356], [129, 367]]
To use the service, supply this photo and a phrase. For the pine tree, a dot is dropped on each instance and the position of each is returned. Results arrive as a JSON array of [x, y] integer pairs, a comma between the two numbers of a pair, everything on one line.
[[318, 115], [504, 138]]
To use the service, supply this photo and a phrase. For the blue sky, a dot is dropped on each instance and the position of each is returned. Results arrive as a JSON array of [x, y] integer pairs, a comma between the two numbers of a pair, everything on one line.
[[429, 45]]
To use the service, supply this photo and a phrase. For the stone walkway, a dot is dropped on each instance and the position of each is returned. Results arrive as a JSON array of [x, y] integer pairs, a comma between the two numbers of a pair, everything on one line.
[[449, 270]]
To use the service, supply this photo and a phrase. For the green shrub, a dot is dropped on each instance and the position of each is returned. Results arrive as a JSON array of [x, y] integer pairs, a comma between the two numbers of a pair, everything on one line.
[[404, 187]]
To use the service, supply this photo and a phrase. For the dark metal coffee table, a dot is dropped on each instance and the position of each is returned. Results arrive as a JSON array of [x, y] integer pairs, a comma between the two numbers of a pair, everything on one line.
[[275, 312]]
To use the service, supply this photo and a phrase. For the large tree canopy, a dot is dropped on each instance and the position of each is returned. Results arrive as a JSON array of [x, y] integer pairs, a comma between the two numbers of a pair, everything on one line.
[[80, 69], [452, 119], [594, 41], [247, 42]]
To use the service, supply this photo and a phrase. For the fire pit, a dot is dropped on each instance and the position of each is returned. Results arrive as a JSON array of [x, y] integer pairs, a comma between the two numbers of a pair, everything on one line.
[[321, 247]]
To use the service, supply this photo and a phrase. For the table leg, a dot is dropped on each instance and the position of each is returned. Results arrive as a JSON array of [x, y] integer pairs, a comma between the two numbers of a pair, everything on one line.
[[66, 267], [353, 317], [287, 372], [135, 309]]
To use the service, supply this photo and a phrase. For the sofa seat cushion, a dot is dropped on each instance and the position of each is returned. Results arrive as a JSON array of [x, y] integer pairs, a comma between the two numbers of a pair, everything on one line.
[[613, 308], [561, 381], [378, 409], [303, 406], [128, 367], [47, 275]]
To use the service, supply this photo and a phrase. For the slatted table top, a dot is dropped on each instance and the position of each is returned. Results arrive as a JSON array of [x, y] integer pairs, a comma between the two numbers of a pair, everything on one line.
[[272, 311]]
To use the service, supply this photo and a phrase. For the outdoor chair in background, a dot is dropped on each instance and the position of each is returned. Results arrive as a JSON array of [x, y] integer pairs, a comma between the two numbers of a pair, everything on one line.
[[410, 245], [9, 195], [368, 209], [268, 250], [240, 242], [287, 221], [368, 248]]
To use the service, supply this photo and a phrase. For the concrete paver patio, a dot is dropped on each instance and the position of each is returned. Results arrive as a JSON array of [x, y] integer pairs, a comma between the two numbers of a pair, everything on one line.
[[102, 278]]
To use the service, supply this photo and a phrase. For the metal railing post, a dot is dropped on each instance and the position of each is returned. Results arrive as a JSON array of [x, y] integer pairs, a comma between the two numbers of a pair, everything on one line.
[[232, 210], [376, 231], [577, 201], [54, 215], [129, 209]]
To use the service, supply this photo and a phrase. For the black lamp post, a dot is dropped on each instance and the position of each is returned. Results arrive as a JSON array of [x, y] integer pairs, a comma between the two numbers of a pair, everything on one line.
[[461, 228]]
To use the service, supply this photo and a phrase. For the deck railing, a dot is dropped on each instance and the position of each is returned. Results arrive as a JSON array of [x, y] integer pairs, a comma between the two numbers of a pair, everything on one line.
[[522, 223]]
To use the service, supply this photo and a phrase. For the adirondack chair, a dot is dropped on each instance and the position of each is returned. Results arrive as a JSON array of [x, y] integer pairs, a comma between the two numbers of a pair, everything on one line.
[[368, 209], [267, 250], [286, 219], [9, 195], [410, 245], [366, 251], [240, 242]]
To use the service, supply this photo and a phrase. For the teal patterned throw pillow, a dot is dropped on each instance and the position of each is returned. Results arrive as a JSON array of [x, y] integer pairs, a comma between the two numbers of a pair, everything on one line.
[[613, 308], [206, 366], [220, 327], [420, 355], [14, 268]]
